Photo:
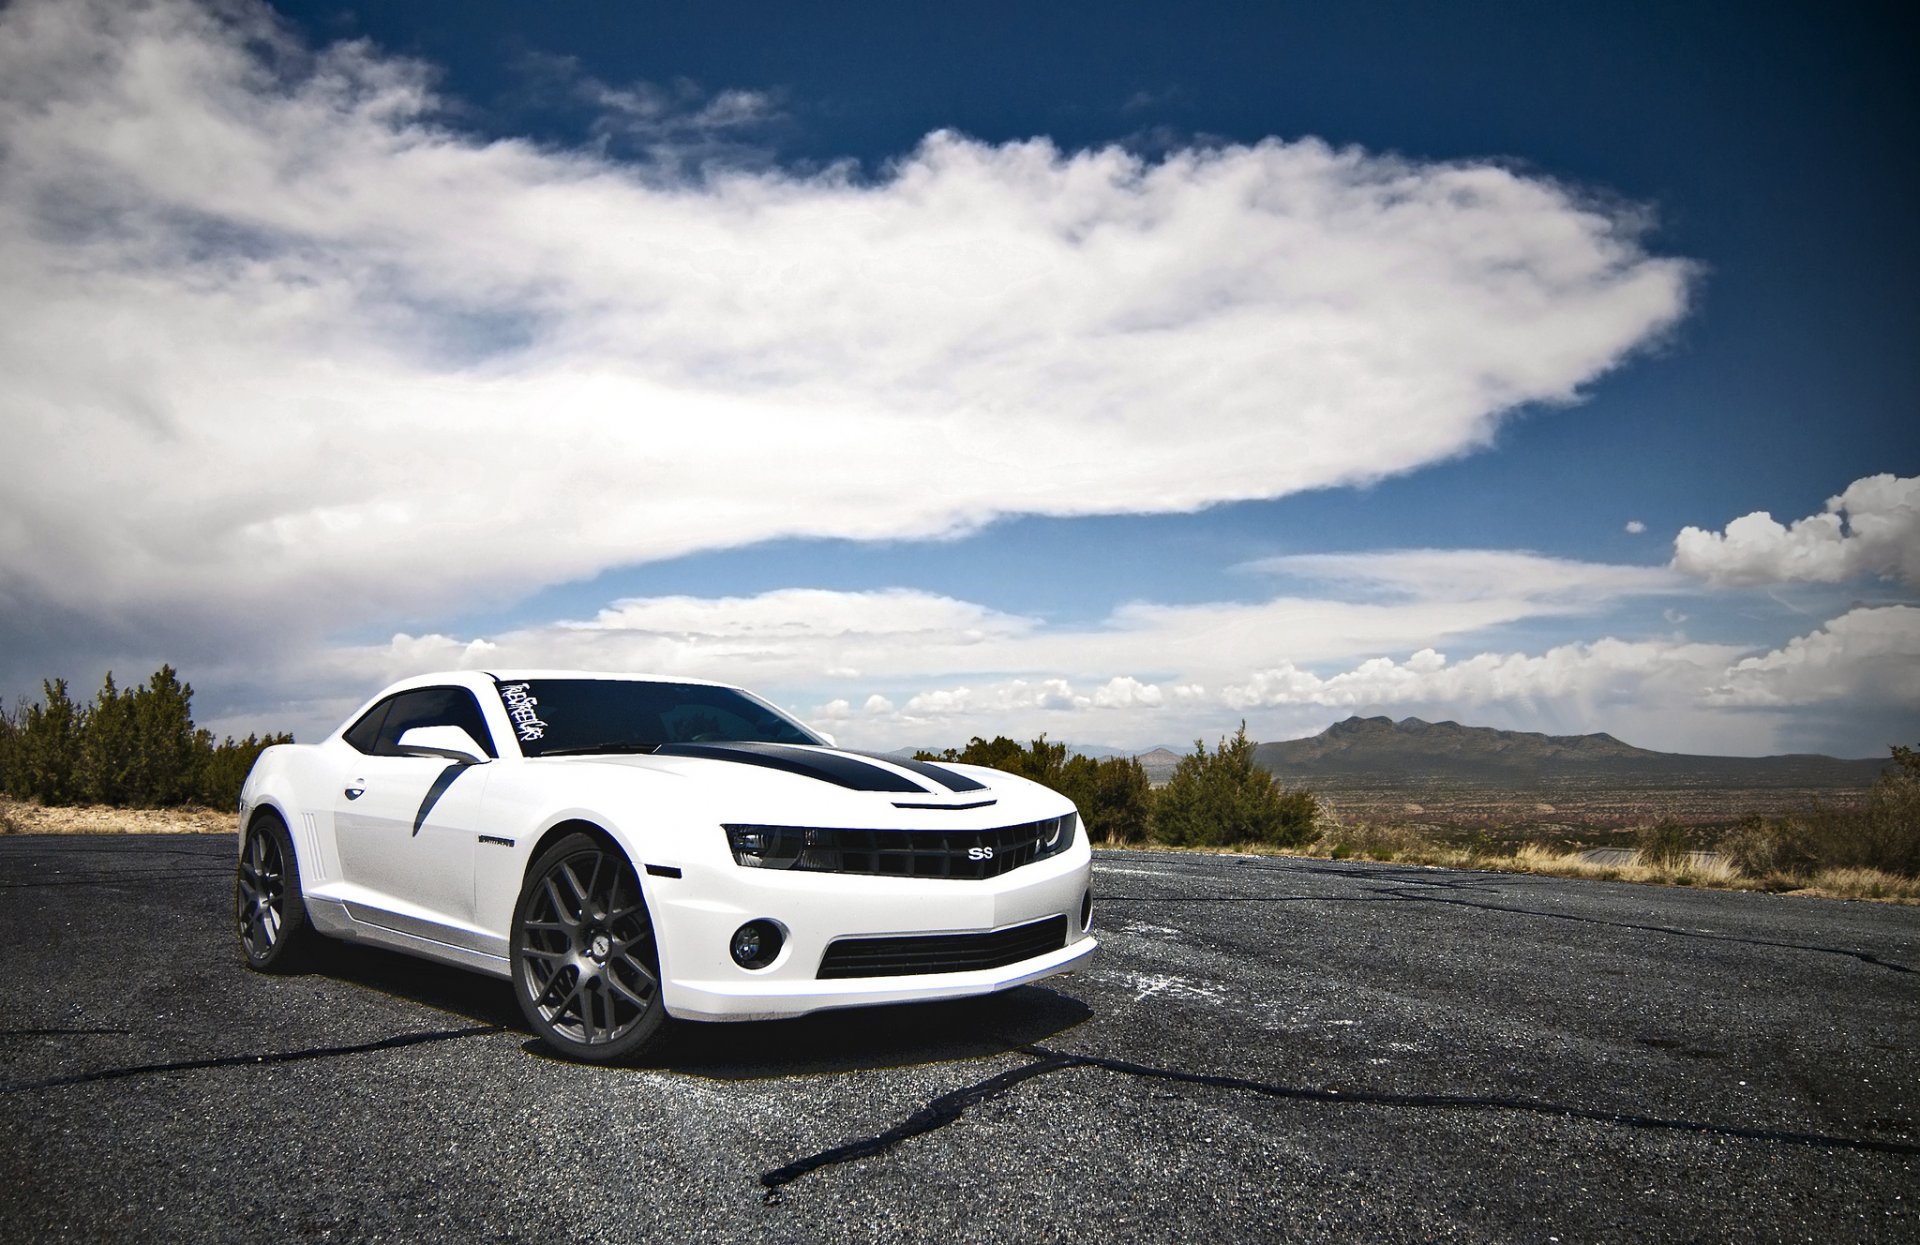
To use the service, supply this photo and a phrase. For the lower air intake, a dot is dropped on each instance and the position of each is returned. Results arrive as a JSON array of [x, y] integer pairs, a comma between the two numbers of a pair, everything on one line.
[[942, 953]]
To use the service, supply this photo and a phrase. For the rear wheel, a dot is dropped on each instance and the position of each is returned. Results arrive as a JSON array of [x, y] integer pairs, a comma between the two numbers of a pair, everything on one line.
[[584, 965], [268, 911]]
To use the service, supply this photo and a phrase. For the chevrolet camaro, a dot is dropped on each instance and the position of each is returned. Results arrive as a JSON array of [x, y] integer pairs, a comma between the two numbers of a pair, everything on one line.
[[624, 849]]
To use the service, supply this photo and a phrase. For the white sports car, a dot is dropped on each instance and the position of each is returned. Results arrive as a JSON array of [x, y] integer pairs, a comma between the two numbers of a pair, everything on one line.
[[625, 848]]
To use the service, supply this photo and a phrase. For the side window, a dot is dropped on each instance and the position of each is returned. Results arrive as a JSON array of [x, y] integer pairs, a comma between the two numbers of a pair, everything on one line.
[[363, 733], [429, 706]]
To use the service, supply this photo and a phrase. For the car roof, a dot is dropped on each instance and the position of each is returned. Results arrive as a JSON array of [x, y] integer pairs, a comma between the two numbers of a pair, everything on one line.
[[469, 677]]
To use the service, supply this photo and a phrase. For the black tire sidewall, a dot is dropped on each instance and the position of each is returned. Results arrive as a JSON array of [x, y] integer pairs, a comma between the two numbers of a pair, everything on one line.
[[288, 949]]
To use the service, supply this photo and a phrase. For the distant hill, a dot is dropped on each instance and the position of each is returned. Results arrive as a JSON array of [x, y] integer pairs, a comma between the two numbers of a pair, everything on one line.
[[1159, 764], [1382, 751]]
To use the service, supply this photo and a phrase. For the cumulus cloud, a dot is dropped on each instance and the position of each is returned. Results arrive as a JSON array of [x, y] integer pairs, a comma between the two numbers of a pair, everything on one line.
[[794, 638], [1871, 529], [889, 667], [1635, 527], [1126, 692], [1866, 656], [1585, 674], [291, 354]]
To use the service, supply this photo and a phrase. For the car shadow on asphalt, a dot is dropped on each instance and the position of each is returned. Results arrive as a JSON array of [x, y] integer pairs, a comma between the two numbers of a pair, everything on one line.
[[844, 1040], [476, 996], [859, 1038]]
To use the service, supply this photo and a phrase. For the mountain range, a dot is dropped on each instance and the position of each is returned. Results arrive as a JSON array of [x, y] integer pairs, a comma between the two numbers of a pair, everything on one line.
[[1381, 750]]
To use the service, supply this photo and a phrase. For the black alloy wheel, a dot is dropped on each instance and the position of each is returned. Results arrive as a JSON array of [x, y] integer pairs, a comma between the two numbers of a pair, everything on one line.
[[583, 960], [269, 912]]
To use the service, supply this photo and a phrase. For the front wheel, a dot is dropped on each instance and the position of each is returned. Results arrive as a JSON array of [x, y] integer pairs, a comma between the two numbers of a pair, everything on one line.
[[583, 960], [269, 912]]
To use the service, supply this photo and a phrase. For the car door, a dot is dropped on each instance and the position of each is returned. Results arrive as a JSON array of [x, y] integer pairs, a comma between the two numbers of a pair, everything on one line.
[[406, 825]]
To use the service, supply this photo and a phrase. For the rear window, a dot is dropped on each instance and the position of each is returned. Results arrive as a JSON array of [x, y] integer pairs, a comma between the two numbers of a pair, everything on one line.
[[559, 715]]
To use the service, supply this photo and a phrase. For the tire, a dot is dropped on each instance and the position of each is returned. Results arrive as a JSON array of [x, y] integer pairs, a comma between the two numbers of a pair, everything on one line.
[[269, 912], [584, 964]]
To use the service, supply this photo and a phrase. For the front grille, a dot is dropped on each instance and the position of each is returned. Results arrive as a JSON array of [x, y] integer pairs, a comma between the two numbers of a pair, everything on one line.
[[911, 955], [972, 854]]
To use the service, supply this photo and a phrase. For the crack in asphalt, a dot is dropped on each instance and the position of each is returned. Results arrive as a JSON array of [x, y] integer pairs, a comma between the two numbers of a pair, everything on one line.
[[1701, 934], [948, 1108], [237, 1061], [1400, 894], [107, 877]]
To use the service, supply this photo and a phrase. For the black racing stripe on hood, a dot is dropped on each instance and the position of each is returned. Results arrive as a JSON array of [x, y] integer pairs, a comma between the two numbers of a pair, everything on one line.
[[939, 773], [834, 767]]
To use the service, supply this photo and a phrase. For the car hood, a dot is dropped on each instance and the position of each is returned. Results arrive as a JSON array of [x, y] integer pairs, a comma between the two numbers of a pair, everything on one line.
[[818, 779]]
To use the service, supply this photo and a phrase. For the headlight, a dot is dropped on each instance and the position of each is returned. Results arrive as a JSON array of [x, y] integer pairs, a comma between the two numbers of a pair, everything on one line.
[[1056, 835], [784, 847], [765, 847]]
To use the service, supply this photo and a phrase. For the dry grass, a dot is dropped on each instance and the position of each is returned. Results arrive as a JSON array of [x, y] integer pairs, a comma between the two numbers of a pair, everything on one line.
[[19, 817], [1863, 884], [1686, 870], [1409, 844]]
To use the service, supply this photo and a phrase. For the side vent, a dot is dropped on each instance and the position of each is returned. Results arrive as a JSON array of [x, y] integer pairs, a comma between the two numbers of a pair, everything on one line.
[[310, 849]]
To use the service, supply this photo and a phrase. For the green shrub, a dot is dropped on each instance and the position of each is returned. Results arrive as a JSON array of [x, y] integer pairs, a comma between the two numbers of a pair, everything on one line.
[[1113, 795], [1222, 798], [1883, 834], [129, 748], [45, 748], [1663, 844], [1762, 847]]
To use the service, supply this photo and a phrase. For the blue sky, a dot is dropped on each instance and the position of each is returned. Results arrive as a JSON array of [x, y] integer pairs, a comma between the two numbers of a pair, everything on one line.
[[1117, 372]]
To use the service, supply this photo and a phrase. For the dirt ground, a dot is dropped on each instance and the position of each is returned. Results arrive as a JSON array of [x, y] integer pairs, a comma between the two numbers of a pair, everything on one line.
[[17, 817]]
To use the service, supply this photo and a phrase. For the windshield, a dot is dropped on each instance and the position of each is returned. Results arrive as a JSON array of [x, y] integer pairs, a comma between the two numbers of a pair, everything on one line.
[[554, 716]]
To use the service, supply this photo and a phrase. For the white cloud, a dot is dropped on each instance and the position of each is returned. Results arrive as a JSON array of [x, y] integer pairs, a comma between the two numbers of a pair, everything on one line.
[[883, 669], [1873, 528], [1474, 576], [290, 355], [1126, 692], [1586, 674], [1868, 656], [677, 126], [1635, 527], [795, 638]]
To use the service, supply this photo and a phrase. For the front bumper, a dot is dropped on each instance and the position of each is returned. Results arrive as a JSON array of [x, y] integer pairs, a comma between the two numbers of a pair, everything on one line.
[[695, 916]]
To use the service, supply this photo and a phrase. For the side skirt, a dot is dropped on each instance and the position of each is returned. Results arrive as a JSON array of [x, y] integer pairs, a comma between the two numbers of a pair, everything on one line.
[[356, 922]]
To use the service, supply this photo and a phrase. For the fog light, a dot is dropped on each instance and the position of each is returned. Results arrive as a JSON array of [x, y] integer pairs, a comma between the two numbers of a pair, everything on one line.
[[756, 944], [1086, 909]]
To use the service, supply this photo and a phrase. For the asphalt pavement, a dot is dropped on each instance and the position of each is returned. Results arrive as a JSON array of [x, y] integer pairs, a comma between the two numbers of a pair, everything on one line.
[[1265, 1049]]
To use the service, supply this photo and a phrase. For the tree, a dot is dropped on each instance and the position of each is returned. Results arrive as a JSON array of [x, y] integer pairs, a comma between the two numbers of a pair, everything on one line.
[[1223, 798], [1041, 761], [167, 749], [46, 748], [106, 748], [223, 770], [1893, 816], [130, 747], [10, 722], [1112, 794]]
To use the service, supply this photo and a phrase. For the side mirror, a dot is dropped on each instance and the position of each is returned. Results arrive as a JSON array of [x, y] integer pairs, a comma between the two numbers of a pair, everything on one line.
[[451, 742]]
